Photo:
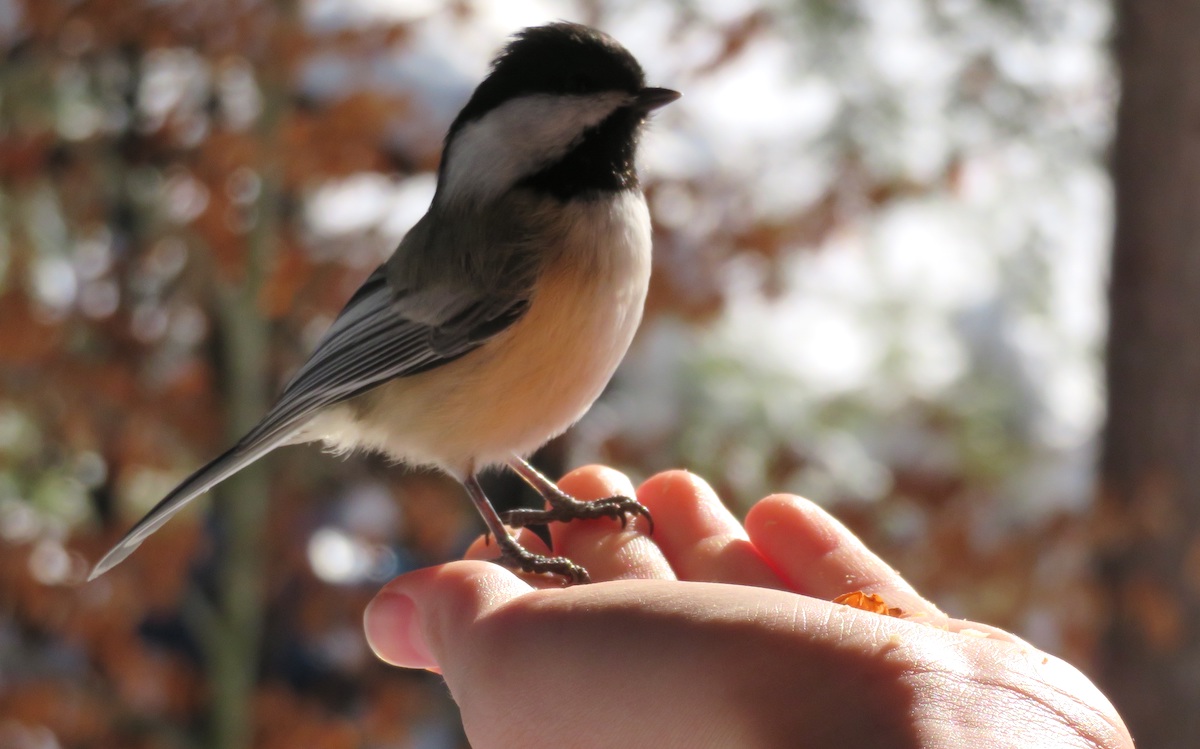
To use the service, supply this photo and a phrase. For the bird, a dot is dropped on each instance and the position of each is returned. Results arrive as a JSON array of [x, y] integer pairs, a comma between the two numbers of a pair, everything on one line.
[[505, 310]]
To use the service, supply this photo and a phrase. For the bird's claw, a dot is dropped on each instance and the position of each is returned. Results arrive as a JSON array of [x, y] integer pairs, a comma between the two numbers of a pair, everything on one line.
[[565, 508], [517, 558]]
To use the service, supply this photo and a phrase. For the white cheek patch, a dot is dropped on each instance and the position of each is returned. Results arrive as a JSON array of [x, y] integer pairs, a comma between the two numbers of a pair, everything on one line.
[[518, 138]]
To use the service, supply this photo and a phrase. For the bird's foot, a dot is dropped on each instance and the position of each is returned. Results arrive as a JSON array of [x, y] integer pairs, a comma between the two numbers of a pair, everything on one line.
[[564, 508], [516, 558]]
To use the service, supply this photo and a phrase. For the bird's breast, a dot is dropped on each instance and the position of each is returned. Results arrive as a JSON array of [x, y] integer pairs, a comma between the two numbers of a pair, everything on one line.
[[531, 382]]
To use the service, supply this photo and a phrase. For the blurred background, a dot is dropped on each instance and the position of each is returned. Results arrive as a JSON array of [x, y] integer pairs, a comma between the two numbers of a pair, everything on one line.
[[883, 241]]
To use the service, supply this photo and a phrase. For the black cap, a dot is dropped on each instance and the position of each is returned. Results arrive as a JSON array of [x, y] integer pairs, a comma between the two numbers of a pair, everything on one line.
[[560, 58]]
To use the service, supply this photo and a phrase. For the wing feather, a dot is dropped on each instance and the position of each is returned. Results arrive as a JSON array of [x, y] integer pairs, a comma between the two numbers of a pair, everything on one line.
[[455, 282], [371, 342]]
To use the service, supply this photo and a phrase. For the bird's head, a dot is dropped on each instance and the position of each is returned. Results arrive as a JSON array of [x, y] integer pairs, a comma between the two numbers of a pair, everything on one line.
[[559, 113]]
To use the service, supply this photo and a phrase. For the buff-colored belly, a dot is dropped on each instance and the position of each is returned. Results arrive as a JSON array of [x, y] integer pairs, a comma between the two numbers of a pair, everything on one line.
[[525, 386]]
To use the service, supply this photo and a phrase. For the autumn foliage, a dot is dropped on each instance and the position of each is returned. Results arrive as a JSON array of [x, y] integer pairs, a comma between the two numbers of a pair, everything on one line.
[[182, 192]]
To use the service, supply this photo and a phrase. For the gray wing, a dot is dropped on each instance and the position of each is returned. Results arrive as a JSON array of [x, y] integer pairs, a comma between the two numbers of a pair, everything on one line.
[[380, 335], [376, 339]]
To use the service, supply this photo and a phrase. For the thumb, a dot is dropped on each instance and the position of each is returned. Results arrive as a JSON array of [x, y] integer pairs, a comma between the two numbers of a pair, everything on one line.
[[413, 620]]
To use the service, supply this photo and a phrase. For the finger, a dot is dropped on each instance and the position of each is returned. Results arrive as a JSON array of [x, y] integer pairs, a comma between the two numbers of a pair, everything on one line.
[[968, 628], [818, 556], [415, 618], [699, 537], [607, 551]]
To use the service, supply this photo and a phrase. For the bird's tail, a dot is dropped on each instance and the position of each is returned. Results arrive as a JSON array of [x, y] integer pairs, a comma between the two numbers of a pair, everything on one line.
[[245, 452]]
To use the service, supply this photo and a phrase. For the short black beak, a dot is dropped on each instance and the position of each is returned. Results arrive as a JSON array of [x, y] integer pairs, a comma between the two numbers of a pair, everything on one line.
[[650, 99]]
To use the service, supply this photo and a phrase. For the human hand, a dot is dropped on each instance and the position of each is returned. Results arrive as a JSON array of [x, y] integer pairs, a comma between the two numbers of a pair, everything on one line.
[[711, 634]]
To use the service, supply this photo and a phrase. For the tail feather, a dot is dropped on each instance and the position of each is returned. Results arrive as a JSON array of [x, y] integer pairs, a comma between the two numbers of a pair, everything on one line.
[[217, 470]]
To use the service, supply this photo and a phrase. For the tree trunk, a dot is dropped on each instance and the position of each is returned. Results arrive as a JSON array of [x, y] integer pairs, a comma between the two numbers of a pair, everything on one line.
[[234, 626], [1150, 467]]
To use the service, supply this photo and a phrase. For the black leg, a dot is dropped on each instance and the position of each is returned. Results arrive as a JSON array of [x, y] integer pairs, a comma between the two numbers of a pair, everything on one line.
[[564, 507], [511, 553]]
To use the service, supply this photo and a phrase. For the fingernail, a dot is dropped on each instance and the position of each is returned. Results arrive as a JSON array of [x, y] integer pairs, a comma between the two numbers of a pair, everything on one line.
[[393, 627]]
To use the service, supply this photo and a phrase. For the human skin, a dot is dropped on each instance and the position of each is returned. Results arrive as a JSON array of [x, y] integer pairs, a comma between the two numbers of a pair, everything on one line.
[[711, 633]]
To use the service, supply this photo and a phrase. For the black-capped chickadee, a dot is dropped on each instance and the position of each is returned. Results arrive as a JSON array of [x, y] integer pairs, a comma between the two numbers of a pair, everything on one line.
[[505, 310]]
